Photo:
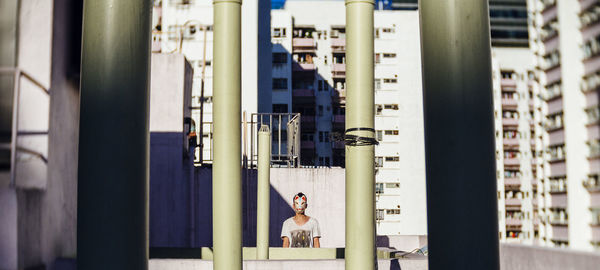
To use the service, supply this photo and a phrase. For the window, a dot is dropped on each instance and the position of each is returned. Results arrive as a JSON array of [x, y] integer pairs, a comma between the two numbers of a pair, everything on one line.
[[378, 161], [280, 108], [389, 55], [278, 32], [377, 58], [377, 84], [392, 211], [390, 80], [378, 188], [279, 83], [388, 30], [279, 58], [391, 132], [392, 159], [379, 214], [378, 109], [379, 135], [391, 106], [392, 185]]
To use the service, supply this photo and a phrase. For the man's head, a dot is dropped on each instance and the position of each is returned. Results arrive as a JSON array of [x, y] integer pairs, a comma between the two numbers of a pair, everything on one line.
[[300, 202]]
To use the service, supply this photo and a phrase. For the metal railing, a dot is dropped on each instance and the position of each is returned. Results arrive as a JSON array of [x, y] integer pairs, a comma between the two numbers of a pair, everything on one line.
[[285, 134], [13, 146]]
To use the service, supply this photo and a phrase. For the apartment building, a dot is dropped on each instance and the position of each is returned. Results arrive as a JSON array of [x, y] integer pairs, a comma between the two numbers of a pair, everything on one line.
[[509, 23], [517, 114], [309, 78], [186, 26], [566, 44]]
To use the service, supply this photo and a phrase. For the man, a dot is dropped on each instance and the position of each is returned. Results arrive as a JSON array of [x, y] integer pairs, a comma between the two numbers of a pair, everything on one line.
[[300, 230]]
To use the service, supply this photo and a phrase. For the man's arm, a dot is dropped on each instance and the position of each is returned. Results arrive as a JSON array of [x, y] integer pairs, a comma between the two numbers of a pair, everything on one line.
[[286, 242], [316, 243]]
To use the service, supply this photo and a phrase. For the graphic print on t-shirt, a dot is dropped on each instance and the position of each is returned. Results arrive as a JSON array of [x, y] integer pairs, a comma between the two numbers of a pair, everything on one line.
[[301, 238]]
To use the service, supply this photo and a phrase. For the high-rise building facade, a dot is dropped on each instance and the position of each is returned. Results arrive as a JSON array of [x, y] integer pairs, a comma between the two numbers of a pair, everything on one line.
[[509, 23], [186, 26], [566, 45], [516, 110], [309, 78]]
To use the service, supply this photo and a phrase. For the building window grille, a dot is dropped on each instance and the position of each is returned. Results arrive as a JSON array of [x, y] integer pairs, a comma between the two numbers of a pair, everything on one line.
[[390, 106], [379, 214], [378, 188], [378, 161]]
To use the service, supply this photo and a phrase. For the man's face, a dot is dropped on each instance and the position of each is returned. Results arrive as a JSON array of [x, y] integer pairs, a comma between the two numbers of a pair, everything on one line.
[[300, 203]]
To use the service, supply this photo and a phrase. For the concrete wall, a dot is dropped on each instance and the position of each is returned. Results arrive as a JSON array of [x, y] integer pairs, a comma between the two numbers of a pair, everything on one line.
[[521, 257]]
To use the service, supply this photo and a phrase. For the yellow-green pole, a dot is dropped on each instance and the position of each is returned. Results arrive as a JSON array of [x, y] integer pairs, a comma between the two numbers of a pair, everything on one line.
[[262, 196], [227, 184], [360, 118]]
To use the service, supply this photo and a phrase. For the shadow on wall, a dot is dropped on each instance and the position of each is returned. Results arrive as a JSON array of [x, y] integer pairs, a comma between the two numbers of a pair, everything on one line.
[[173, 206]]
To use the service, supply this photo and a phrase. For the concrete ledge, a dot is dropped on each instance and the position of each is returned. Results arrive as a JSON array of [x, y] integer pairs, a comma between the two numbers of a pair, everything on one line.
[[275, 253], [336, 264], [521, 257]]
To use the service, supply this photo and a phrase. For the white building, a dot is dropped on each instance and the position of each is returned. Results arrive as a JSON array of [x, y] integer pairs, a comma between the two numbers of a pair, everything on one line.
[[567, 34], [517, 113], [183, 26], [309, 78]]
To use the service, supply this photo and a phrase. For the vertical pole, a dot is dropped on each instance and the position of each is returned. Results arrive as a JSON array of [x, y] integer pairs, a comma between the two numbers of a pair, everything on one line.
[[227, 177], [360, 118], [112, 198], [459, 134], [262, 196]]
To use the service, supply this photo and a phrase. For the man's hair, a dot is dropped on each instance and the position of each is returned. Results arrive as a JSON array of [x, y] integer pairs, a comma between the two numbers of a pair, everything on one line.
[[299, 194]]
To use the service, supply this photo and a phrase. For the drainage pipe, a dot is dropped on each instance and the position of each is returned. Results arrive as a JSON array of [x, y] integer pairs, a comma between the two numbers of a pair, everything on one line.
[[263, 188]]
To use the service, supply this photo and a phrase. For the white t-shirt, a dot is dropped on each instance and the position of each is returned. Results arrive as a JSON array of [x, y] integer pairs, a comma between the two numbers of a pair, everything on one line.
[[300, 236]]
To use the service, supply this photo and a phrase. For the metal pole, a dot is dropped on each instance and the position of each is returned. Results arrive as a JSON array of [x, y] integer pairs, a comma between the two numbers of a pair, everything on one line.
[[360, 118], [262, 196], [112, 191], [459, 140], [227, 177]]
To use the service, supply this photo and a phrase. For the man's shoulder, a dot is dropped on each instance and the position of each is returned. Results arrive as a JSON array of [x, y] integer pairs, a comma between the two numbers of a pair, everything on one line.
[[313, 220], [288, 221]]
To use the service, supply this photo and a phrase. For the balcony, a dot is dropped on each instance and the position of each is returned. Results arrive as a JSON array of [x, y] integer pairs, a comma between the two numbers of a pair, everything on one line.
[[304, 45], [303, 95], [338, 145], [512, 183], [338, 45], [339, 121], [339, 96], [338, 70], [592, 183], [307, 123], [510, 122], [510, 84], [513, 203], [303, 66], [513, 223], [307, 145], [509, 103], [510, 142], [512, 162]]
